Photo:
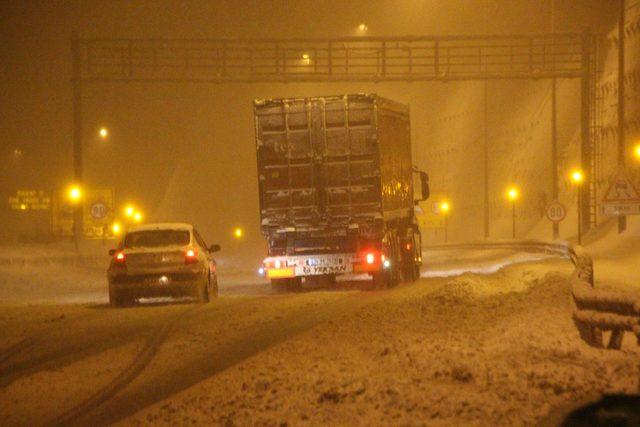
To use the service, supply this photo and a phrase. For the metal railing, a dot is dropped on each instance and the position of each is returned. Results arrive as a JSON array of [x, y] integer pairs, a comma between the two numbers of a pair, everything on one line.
[[343, 59], [596, 310], [599, 310]]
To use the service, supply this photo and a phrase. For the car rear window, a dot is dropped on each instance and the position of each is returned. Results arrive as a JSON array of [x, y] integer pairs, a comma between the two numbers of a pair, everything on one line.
[[154, 238]]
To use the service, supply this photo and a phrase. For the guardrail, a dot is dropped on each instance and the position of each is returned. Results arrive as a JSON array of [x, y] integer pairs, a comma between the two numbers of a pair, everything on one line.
[[595, 310], [598, 310], [536, 246]]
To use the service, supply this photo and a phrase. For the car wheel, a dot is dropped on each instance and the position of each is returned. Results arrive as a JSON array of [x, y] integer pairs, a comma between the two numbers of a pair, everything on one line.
[[200, 291], [115, 298], [214, 288]]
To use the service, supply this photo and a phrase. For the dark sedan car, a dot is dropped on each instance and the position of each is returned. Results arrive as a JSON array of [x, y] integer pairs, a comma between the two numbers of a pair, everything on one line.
[[164, 259]]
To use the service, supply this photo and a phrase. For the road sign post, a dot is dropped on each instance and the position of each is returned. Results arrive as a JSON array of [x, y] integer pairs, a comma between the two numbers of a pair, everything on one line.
[[556, 212]]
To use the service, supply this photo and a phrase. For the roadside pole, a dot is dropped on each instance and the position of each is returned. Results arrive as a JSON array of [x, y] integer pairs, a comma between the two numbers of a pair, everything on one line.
[[622, 219], [77, 132]]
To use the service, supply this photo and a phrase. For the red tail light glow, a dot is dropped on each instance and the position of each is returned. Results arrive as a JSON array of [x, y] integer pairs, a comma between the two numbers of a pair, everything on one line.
[[370, 258], [190, 257], [119, 258]]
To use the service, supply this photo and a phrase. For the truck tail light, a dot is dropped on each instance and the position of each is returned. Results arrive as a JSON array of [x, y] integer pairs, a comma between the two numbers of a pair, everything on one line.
[[190, 257], [277, 268]]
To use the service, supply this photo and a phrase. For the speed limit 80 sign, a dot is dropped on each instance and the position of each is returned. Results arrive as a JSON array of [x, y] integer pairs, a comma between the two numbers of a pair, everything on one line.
[[556, 211]]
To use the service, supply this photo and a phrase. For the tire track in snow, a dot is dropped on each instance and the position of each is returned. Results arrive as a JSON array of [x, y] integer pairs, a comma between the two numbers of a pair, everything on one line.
[[141, 360], [16, 348], [236, 348], [12, 370]]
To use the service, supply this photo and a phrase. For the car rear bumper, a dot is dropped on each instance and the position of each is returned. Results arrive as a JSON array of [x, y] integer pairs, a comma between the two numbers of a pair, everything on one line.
[[156, 284]]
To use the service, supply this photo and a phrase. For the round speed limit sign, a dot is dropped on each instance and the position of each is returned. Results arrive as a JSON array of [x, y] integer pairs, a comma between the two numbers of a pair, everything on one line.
[[556, 211]]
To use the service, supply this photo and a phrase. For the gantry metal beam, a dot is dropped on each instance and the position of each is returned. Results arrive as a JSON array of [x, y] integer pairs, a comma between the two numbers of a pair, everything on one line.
[[356, 59], [342, 59]]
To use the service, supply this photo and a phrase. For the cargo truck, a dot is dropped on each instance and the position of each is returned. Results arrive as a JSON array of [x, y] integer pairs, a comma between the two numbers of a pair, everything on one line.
[[336, 188]]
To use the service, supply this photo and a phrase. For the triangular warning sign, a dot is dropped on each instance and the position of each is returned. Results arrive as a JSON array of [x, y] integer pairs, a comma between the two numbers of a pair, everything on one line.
[[621, 190]]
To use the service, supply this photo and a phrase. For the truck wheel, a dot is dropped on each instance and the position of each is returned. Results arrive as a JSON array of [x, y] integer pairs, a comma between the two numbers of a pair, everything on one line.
[[379, 280], [294, 284], [410, 270], [279, 285]]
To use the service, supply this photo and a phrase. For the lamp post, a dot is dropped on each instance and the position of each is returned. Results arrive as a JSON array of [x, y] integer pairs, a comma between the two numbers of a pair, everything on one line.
[[512, 196], [445, 207], [577, 176], [74, 194]]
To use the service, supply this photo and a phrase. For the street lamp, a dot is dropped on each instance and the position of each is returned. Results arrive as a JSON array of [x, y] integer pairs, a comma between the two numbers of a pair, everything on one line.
[[129, 210], [137, 216], [512, 195], [238, 232], [74, 194], [116, 228], [636, 151], [104, 133], [444, 209], [577, 177]]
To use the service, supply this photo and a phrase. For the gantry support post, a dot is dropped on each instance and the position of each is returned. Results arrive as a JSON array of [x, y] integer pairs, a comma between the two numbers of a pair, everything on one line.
[[585, 132], [76, 82]]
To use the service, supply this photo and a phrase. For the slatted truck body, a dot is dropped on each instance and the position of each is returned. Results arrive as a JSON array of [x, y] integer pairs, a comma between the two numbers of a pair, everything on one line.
[[336, 189]]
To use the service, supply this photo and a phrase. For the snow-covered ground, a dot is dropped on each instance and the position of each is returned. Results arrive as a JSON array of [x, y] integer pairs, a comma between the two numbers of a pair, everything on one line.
[[484, 337]]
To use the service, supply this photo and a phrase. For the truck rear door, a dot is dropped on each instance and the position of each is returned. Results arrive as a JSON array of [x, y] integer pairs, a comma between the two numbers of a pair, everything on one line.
[[317, 162]]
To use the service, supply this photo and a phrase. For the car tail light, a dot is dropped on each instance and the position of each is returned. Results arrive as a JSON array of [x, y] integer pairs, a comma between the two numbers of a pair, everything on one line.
[[190, 257], [370, 258], [119, 258]]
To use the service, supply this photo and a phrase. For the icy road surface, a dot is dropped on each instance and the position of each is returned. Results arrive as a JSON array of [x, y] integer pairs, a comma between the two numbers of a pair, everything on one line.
[[493, 347]]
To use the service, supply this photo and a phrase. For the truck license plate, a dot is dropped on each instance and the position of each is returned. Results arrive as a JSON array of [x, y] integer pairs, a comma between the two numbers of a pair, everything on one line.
[[325, 269], [324, 264]]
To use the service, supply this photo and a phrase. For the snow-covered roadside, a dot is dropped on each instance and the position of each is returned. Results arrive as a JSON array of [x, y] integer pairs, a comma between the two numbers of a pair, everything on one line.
[[471, 350]]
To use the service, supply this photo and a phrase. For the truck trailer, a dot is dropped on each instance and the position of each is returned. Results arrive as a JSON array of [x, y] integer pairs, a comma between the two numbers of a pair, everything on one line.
[[336, 188]]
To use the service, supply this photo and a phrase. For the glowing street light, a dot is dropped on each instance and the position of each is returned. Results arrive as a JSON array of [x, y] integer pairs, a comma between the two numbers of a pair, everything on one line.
[[137, 216], [636, 151], [362, 28], [74, 193], [116, 228], [512, 195], [238, 232], [104, 133], [444, 208], [129, 210], [577, 177]]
